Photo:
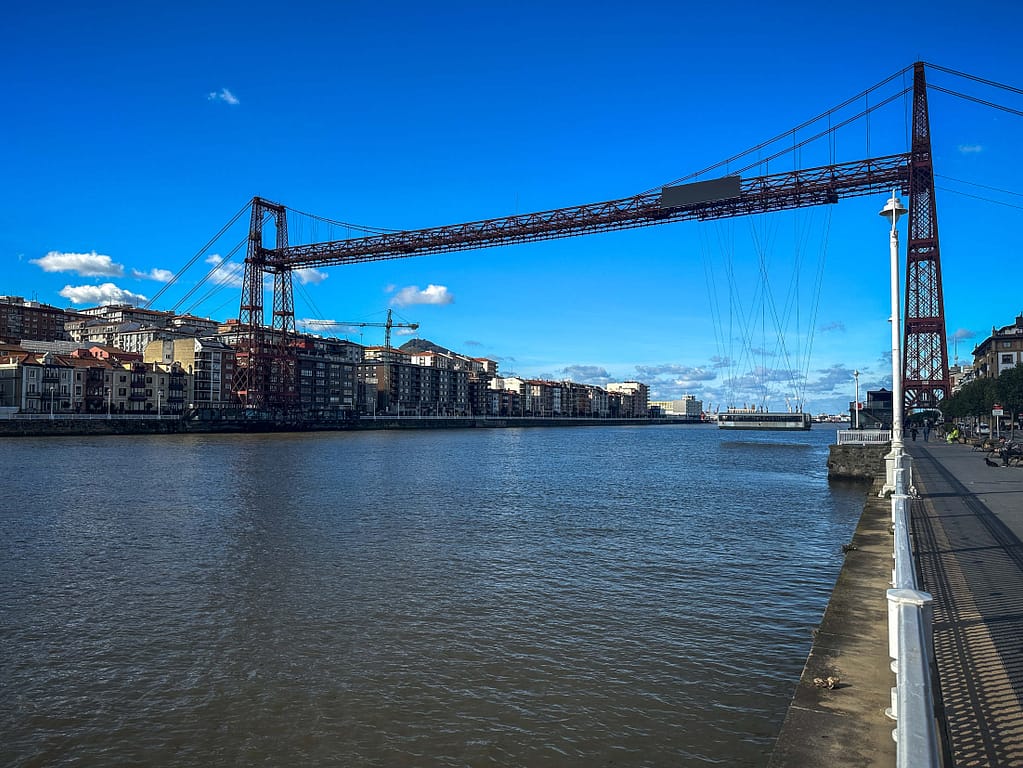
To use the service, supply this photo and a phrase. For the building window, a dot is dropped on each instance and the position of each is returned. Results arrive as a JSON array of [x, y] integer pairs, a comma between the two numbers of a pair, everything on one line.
[[1007, 360]]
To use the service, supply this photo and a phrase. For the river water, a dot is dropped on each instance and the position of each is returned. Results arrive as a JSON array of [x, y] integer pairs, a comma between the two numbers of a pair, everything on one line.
[[582, 596]]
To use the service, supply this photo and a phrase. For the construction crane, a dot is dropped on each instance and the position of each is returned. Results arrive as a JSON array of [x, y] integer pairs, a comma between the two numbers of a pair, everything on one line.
[[387, 326], [266, 371]]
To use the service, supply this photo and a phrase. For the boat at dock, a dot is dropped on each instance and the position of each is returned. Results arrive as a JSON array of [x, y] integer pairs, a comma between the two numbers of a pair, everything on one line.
[[751, 418]]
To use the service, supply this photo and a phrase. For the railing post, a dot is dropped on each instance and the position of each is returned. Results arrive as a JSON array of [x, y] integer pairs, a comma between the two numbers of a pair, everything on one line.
[[912, 699]]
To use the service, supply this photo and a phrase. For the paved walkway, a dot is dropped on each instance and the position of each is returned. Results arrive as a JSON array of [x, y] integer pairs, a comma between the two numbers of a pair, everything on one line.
[[967, 527]]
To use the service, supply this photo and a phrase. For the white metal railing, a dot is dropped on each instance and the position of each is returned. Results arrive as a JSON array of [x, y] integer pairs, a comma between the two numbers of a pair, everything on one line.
[[864, 436], [910, 634]]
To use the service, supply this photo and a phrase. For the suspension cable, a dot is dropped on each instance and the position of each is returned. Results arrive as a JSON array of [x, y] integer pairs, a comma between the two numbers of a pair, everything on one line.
[[800, 127], [358, 227], [976, 79], [983, 102], [195, 258], [982, 186], [216, 268], [978, 197], [854, 118]]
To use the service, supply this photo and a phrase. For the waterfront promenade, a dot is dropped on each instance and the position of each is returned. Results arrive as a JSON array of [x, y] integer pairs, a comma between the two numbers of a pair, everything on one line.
[[967, 528]]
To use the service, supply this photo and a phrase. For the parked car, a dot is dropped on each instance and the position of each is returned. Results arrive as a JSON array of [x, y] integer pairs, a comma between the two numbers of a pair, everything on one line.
[[983, 429]]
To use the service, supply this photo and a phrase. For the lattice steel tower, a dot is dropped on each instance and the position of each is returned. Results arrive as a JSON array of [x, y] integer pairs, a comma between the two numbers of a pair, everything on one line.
[[925, 350]]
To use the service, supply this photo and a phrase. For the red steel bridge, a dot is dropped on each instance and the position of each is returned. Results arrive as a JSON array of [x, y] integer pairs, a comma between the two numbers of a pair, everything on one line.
[[266, 373]]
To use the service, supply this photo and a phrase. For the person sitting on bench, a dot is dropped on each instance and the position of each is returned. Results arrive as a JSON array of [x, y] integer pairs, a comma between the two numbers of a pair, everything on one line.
[[1008, 450]]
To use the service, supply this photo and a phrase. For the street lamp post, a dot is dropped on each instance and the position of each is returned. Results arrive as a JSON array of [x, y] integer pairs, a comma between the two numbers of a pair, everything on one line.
[[856, 405], [51, 402], [159, 403], [896, 461], [110, 397]]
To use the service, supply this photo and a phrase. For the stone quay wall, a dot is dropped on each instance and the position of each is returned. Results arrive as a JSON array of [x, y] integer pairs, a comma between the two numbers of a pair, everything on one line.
[[857, 462]]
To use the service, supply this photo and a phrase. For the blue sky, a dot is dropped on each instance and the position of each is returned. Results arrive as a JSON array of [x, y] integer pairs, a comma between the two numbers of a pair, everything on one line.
[[132, 134]]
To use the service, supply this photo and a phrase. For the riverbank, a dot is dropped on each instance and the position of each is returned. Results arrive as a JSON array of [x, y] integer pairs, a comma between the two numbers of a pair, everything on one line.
[[836, 717], [45, 427]]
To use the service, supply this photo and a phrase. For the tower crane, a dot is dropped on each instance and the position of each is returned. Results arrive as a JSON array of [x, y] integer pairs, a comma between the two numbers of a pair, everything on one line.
[[387, 326]]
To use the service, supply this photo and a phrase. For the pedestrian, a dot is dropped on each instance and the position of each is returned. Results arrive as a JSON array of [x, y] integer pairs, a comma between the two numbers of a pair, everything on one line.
[[912, 432], [927, 429]]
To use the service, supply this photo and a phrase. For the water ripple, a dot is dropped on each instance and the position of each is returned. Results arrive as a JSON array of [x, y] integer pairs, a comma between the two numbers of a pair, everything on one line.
[[503, 597]]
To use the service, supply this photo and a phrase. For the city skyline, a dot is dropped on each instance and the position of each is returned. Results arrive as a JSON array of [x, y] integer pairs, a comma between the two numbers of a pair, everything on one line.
[[139, 133]]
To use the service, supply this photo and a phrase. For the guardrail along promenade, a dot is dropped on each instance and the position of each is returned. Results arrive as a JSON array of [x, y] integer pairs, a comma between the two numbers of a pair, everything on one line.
[[967, 529], [948, 561]]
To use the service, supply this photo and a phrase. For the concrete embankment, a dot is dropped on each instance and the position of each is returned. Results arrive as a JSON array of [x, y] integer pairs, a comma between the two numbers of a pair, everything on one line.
[[115, 426], [857, 462], [836, 718]]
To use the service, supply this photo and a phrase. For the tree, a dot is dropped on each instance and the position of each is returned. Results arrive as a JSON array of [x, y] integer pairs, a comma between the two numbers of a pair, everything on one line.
[[1009, 389], [974, 399]]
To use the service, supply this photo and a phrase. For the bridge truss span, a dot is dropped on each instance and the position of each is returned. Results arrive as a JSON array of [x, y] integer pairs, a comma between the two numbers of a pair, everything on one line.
[[793, 189]]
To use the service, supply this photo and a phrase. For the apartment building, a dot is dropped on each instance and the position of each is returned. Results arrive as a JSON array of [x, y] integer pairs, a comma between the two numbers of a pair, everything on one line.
[[633, 398], [1001, 350], [31, 382], [21, 319], [401, 387], [209, 361], [327, 376], [688, 408]]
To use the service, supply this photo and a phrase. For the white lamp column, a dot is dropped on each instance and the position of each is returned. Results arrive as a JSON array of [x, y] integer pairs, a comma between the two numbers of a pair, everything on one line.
[[856, 405], [897, 481]]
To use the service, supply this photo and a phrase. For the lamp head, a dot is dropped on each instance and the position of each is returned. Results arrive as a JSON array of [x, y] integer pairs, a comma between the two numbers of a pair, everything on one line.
[[893, 209]]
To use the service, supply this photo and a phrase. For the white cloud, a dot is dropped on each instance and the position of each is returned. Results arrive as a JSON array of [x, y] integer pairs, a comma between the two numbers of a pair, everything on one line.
[[669, 381], [226, 272], [970, 149], [587, 374], [310, 276], [159, 275], [432, 294], [223, 95], [837, 325], [85, 264], [835, 378], [107, 293]]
